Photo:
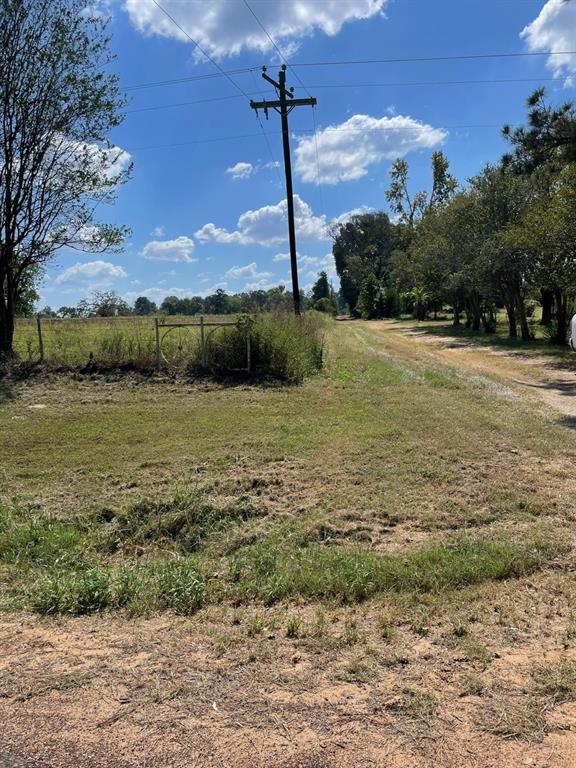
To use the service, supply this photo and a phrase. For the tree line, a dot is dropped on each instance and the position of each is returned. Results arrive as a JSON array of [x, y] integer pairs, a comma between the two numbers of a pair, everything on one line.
[[321, 297], [505, 239]]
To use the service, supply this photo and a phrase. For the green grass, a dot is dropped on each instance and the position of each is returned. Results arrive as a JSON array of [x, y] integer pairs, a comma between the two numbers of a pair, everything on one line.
[[176, 585], [85, 565], [282, 346], [350, 575], [154, 496]]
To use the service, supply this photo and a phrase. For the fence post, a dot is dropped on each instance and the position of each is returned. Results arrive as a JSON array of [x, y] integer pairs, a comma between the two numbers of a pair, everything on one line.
[[248, 350], [40, 339], [157, 328], [202, 342]]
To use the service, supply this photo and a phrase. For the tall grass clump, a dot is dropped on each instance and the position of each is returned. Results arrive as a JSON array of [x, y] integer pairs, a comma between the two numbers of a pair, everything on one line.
[[269, 573], [283, 346], [175, 585]]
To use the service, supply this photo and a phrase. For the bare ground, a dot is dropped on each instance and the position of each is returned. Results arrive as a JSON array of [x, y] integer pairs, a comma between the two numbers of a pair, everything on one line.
[[104, 691]]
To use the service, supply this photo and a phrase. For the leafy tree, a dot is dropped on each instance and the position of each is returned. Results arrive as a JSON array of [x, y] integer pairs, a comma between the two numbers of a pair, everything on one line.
[[549, 234], [410, 208], [194, 305], [406, 207], [67, 312], [362, 247], [217, 303], [170, 305], [143, 306], [58, 103], [107, 304], [369, 300], [27, 295], [321, 288], [47, 311], [503, 200]]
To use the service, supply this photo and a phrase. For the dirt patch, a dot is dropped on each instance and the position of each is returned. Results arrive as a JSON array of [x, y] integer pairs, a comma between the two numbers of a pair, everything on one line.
[[203, 692]]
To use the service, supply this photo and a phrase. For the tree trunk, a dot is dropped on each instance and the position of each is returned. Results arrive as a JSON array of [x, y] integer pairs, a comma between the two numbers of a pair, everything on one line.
[[547, 299], [512, 327], [6, 324], [524, 327], [456, 318], [7, 310], [475, 313], [562, 318]]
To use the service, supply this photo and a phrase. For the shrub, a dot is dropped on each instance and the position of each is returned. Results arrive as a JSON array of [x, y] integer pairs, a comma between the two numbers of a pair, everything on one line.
[[283, 346], [325, 305]]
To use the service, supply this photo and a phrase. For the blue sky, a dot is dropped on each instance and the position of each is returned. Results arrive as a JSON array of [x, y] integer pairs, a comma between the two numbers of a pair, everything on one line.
[[206, 203]]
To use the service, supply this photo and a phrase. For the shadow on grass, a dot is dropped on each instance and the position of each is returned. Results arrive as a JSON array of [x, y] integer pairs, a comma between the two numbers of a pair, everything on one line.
[[568, 421], [6, 392], [560, 356], [124, 372]]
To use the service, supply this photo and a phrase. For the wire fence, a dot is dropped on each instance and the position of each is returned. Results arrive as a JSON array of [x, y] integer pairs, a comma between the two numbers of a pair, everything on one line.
[[143, 342]]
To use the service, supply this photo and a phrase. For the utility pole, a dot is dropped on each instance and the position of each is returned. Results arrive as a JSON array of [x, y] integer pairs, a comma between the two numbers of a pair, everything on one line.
[[284, 105]]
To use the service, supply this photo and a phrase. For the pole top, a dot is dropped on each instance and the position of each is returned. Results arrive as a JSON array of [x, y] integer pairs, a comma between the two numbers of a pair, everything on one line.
[[284, 67]]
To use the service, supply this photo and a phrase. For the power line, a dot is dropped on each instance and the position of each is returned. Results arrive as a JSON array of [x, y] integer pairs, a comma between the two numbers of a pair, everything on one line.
[[183, 103], [269, 36], [190, 79], [460, 57], [400, 83], [202, 51], [244, 70], [218, 67], [396, 84]]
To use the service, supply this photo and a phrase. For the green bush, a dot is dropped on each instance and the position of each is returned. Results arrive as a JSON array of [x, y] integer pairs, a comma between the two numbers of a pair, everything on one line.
[[326, 305], [283, 346]]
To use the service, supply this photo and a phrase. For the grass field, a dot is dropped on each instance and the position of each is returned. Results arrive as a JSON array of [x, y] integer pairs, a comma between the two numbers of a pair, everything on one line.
[[107, 340], [355, 570]]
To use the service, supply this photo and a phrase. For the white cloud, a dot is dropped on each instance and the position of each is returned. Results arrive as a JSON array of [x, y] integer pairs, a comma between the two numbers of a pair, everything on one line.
[[250, 270], [180, 249], [261, 285], [267, 226], [225, 28], [110, 162], [345, 217], [92, 274], [241, 170], [158, 232], [346, 151], [305, 261], [554, 30]]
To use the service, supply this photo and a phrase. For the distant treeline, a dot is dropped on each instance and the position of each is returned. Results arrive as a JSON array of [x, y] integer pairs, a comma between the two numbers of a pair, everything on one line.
[[505, 239], [109, 304]]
